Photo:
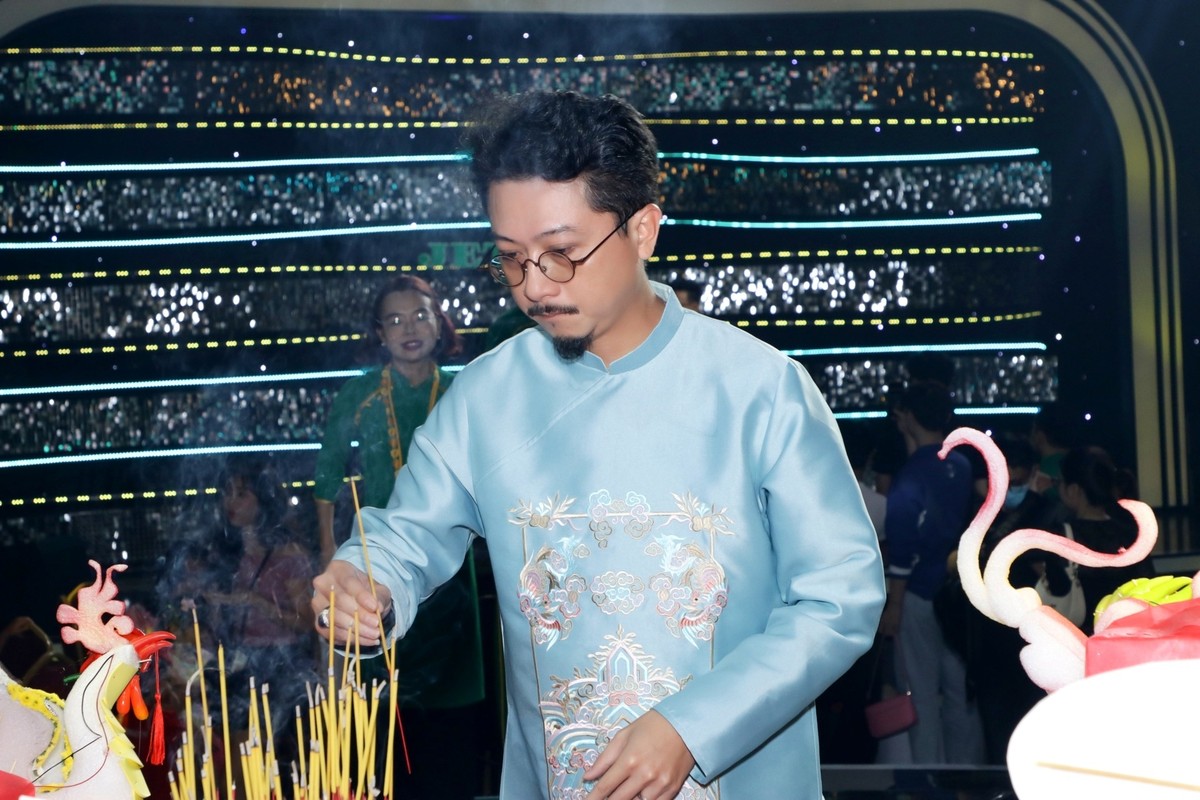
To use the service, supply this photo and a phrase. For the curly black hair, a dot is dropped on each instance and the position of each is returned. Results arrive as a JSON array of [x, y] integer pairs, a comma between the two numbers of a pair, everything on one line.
[[559, 136]]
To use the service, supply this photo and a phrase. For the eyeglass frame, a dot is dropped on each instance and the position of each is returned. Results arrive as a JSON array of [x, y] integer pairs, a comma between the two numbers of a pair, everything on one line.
[[496, 269], [415, 319]]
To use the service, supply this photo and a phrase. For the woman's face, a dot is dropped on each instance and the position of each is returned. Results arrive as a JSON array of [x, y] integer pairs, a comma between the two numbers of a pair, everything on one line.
[[408, 327], [239, 504]]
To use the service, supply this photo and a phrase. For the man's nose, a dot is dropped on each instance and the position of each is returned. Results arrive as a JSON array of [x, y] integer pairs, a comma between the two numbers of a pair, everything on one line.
[[536, 285]]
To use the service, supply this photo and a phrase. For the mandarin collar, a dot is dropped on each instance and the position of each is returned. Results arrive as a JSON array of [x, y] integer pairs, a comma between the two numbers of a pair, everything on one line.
[[654, 344]]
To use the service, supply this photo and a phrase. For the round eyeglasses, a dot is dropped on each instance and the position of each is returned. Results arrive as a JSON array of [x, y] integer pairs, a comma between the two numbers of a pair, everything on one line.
[[557, 266], [418, 317]]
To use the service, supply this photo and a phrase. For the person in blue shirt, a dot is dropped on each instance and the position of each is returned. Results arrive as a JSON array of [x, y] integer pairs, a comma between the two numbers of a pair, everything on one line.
[[928, 506]]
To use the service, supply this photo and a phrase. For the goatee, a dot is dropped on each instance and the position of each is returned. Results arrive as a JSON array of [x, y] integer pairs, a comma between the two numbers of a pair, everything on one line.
[[571, 348]]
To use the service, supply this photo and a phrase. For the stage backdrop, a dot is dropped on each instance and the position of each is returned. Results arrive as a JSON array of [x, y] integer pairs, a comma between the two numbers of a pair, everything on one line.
[[198, 202]]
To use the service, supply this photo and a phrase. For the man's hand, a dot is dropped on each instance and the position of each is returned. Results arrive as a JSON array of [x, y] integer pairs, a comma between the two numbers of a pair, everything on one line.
[[647, 760], [351, 594]]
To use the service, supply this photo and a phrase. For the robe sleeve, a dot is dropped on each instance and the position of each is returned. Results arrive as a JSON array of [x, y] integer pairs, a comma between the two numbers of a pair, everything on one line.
[[830, 581], [421, 539]]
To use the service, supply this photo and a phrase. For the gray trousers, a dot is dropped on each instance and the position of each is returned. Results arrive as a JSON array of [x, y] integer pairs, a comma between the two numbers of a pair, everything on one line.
[[948, 730]]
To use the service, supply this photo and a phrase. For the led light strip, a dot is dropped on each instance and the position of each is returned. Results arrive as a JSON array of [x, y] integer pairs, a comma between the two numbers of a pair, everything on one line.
[[874, 122], [922, 222], [86, 458], [225, 272], [221, 125], [857, 252], [186, 383], [895, 158], [659, 260], [181, 383], [189, 166], [920, 348], [997, 411], [242, 380], [889, 321], [107, 497], [151, 494], [836, 52], [170, 494], [212, 344], [88, 350], [360, 125], [262, 236], [1004, 411], [54, 244]]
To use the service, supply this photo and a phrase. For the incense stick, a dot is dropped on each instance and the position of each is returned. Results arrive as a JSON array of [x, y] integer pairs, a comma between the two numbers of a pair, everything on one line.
[[225, 723], [389, 653]]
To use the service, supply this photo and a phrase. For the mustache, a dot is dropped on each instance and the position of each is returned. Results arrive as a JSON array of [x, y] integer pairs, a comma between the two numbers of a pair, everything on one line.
[[538, 309]]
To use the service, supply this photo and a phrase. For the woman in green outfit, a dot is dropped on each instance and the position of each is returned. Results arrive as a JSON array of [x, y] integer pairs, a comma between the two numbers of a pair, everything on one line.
[[440, 659]]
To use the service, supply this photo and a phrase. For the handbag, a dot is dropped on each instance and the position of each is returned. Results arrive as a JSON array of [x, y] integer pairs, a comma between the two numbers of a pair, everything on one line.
[[890, 715], [1071, 605]]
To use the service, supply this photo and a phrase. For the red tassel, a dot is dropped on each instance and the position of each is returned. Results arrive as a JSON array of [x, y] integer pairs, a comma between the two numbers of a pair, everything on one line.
[[158, 745]]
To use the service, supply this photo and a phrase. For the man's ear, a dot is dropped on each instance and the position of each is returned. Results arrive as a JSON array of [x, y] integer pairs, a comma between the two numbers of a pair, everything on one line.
[[646, 223]]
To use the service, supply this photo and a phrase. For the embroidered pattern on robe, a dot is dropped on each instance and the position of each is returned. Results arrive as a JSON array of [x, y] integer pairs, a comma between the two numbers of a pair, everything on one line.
[[690, 588], [582, 713]]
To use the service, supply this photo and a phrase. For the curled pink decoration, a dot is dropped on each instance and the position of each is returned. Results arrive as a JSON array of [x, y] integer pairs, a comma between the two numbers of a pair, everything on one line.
[[91, 605], [1057, 650]]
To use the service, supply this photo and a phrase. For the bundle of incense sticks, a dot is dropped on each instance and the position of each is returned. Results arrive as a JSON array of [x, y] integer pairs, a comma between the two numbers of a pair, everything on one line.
[[339, 726], [342, 722]]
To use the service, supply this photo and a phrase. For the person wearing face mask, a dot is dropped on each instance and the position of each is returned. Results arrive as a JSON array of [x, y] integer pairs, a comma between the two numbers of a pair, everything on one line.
[[441, 661]]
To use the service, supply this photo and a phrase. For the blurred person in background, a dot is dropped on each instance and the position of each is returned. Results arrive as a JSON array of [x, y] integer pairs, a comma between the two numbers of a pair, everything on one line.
[[1089, 488], [247, 578], [928, 507]]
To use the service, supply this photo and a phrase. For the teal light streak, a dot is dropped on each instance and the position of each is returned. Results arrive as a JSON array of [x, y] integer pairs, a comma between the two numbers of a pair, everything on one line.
[[917, 348], [182, 383], [916, 222], [179, 451], [413, 227], [436, 158], [897, 158], [191, 166], [962, 411]]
